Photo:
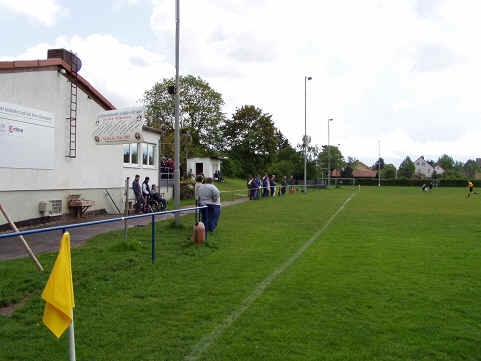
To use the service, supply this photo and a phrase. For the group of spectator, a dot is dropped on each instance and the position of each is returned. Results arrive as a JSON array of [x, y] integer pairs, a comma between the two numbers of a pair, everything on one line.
[[267, 186], [144, 193], [167, 167]]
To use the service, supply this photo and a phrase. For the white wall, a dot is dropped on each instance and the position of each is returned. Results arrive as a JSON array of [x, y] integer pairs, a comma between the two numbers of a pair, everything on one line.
[[423, 167], [210, 165], [95, 168]]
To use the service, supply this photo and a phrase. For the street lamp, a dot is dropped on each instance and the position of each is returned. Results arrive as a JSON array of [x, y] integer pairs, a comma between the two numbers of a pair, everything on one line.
[[328, 153], [304, 140], [379, 164], [177, 114]]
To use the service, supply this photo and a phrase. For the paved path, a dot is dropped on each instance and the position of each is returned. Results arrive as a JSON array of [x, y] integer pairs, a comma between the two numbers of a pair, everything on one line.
[[12, 247]]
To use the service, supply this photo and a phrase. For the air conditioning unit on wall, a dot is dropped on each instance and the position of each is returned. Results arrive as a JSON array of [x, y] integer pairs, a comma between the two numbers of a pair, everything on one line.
[[44, 208]]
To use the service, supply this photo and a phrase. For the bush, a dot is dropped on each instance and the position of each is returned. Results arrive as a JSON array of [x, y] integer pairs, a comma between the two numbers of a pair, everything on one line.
[[409, 182]]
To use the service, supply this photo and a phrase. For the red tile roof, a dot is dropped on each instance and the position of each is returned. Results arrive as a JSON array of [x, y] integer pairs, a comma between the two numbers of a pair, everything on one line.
[[335, 173], [56, 64], [364, 173]]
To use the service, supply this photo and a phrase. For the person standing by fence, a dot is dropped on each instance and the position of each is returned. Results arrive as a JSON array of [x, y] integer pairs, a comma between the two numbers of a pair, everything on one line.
[[283, 185], [265, 185], [209, 196]]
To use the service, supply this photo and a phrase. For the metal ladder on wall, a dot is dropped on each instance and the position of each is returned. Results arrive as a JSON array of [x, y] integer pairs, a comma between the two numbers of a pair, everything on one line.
[[72, 118]]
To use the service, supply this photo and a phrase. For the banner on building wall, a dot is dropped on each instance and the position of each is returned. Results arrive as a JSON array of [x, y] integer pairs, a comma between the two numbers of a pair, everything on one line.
[[120, 126], [27, 137]]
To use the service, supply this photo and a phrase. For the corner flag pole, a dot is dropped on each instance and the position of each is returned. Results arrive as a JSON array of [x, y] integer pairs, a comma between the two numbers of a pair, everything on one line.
[[58, 295], [71, 341]]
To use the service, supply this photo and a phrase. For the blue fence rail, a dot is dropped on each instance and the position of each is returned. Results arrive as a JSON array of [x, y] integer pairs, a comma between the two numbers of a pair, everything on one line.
[[66, 227]]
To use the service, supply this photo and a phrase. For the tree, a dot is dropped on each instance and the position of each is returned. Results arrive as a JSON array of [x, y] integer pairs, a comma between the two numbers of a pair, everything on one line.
[[250, 137], [446, 162], [389, 172], [200, 113], [471, 167], [380, 163], [349, 167], [282, 142], [288, 162], [335, 155], [406, 169]]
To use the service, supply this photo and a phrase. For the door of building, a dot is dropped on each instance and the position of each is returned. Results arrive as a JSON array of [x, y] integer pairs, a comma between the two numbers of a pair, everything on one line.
[[199, 168]]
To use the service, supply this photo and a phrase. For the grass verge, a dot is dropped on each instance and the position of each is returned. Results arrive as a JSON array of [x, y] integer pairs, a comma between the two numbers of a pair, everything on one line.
[[395, 276]]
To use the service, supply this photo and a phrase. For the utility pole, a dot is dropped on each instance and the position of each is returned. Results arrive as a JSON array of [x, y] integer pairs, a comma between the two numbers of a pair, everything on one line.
[[328, 153], [304, 140], [177, 123], [379, 164]]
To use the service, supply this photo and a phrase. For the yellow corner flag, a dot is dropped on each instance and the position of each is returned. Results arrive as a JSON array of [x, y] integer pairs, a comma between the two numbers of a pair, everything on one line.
[[58, 292]]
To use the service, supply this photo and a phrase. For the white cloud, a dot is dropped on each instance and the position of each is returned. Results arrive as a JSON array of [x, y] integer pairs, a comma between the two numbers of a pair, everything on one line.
[[119, 71], [44, 12], [404, 72], [117, 4]]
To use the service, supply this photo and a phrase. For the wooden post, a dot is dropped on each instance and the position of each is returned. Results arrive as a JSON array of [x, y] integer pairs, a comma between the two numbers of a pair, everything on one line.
[[27, 247], [126, 207]]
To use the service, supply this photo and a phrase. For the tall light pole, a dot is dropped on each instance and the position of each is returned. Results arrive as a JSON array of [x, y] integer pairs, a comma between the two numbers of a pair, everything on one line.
[[379, 163], [177, 125], [304, 140], [328, 153]]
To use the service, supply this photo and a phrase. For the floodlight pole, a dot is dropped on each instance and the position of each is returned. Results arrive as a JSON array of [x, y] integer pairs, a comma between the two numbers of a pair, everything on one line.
[[328, 153], [379, 164], [177, 125], [304, 140]]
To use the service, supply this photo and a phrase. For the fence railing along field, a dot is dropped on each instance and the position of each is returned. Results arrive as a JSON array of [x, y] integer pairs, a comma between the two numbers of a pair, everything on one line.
[[125, 219]]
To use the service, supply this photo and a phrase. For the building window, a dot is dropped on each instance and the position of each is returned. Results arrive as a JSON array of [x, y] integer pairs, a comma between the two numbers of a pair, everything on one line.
[[148, 154], [131, 154], [134, 153]]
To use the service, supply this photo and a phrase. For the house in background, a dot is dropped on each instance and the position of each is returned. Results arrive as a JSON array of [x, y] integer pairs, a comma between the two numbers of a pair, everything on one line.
[[363, 171], [205, 166], [48, 113], [424, 169]]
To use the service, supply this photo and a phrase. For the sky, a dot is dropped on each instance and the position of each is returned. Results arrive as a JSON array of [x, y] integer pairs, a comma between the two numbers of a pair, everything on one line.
[[398, 77]]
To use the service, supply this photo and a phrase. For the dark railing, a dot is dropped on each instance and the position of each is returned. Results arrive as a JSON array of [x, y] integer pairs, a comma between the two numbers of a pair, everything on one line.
[[66, 227]]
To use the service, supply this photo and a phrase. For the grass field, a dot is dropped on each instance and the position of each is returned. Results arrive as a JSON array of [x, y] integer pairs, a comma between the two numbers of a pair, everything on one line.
[[339, 274]]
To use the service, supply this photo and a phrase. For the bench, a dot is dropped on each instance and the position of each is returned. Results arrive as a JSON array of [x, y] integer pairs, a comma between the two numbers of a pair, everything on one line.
[[80, 206]]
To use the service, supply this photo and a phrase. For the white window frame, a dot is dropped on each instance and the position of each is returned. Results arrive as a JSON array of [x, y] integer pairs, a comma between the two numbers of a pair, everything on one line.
[[140, 155], [141, 159], [130, 163]]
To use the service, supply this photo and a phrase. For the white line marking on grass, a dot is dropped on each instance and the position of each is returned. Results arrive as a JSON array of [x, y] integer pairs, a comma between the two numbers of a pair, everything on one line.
[[208, 340]]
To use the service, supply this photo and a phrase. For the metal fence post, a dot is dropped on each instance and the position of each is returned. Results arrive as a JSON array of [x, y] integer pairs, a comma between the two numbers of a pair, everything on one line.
[[206, 221], [153, 238]]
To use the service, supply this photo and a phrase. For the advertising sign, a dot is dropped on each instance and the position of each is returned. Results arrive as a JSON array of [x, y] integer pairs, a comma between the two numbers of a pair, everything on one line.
[[120, 126], [27, 137]]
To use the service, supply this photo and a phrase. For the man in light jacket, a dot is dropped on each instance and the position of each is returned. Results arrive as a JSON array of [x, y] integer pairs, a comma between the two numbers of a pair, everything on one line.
[[209, 195]]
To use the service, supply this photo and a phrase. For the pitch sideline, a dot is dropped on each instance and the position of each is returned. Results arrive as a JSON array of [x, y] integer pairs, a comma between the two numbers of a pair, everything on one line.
[[208, 340]]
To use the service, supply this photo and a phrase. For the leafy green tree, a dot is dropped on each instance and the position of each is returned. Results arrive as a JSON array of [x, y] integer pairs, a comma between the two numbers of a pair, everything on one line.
[[250, 137], [406, 168], [200, 113], [349, 166], [380, 163], [446, 162], [335, 155], [388, 172], [288, 162], [346, 172], [471, 167]]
